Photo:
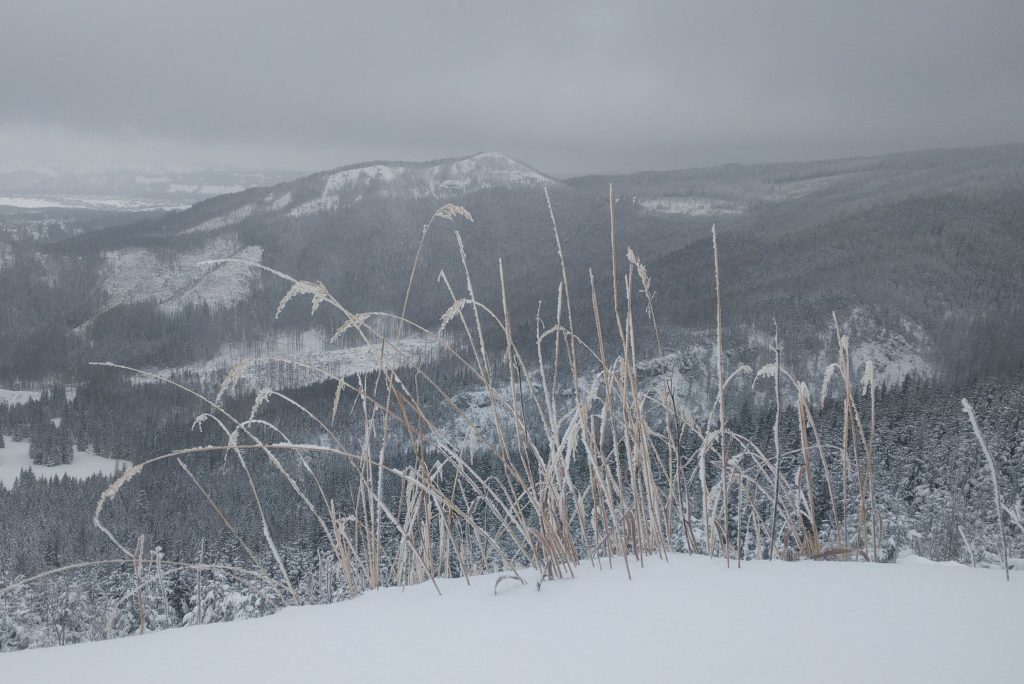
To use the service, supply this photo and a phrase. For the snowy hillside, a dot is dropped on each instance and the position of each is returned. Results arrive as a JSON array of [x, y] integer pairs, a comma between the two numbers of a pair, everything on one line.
[[173, 277], [689, 619], [137, 274]]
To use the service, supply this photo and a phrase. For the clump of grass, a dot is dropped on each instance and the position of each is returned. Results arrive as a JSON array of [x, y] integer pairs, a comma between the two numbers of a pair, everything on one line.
[[628, 500]]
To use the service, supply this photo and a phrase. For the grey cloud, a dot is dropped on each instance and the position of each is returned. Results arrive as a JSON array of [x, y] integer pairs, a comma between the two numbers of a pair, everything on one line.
[[566, 86]]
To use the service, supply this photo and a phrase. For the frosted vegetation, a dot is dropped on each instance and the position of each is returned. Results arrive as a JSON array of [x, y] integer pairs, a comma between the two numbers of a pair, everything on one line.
[[572, 451]]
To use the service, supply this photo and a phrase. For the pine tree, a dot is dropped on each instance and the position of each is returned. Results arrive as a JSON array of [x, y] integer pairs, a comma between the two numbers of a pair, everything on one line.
[[63, 446], [36, 446]]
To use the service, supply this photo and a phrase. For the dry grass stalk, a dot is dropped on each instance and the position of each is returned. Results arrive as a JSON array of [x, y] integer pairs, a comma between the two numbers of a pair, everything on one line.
[[994, 472]]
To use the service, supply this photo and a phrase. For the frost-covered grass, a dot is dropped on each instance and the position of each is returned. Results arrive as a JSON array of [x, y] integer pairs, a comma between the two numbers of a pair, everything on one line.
[[688, 619], [14, 459], [575, 452]]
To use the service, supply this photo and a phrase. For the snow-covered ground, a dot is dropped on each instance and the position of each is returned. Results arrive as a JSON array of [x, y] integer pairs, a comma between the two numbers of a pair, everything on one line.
[[689, 619], [14, 458]]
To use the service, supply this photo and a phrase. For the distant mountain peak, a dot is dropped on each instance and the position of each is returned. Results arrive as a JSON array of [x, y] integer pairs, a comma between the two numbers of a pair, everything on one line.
[[443, 179]]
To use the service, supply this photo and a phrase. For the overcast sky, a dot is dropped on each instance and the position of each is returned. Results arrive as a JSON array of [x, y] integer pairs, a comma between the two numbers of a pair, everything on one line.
[[569, 88]]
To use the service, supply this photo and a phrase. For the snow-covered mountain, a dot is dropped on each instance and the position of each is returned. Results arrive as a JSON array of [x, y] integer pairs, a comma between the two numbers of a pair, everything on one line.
[[798, 241], [177, 278]]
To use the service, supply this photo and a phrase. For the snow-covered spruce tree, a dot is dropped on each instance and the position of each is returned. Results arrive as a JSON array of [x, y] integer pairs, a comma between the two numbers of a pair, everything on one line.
[[21, 626]]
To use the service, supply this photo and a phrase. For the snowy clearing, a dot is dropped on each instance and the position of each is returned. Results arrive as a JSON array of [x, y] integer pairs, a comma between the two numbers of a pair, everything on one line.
[[13, 397], [689, 619], [14, 458]]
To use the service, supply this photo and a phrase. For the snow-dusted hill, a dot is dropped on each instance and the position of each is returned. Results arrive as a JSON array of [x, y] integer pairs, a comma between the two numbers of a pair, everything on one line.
[[442, 180], [688, 619], [174, 277]]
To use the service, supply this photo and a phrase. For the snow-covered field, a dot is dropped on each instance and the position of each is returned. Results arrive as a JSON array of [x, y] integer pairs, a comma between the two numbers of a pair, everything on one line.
[[689, 619], [14, 458], [12, 397], [309, 348], [119, 203]]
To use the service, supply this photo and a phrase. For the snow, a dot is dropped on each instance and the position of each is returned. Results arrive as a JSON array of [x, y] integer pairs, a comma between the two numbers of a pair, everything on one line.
[[181, 188], [311, 348], [441, 180], [691, 206], [137, 274], [279, 203], [14, 458], [896, 352], [799, 188], [13, 397], [892, 362], [492, 168], [232, 217], [343, 179], [686, 619], [316, 206], [223, 284], [121, 203]]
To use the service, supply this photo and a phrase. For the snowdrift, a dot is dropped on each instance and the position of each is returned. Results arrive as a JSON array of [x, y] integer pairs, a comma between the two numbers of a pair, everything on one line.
[[688, 619]]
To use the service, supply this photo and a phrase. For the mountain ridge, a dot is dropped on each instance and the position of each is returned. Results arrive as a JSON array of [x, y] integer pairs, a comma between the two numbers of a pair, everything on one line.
[[786, 230]]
